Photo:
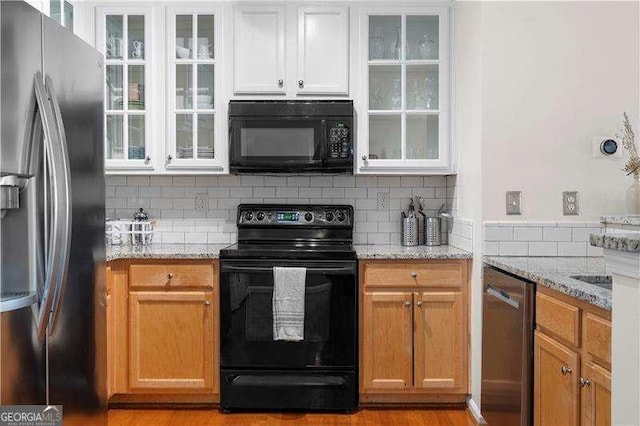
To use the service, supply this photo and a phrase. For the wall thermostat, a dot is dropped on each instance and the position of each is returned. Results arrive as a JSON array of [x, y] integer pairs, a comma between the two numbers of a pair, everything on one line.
[[608, 147]]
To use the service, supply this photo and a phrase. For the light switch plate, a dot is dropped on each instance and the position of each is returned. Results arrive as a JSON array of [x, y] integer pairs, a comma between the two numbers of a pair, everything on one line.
[[514, 201], [570, 203]]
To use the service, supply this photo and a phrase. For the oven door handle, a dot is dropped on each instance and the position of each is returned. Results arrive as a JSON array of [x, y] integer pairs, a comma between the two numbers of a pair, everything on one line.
[[227, 268]]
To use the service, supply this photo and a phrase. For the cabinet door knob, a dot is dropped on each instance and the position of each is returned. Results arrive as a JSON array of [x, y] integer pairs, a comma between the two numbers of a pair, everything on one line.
[[280, 82], [207, 303], [584, 382], [419, 304], [365, 160], [407, 304], [566, 370], [169, 275], [300, 83], [169, 158], [147, 159], [414, 275]]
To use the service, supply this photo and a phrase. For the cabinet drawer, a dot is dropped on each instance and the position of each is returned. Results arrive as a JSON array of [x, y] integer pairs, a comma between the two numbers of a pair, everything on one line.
[[410, 274], [558, 318], [597, 337], [171, 275]]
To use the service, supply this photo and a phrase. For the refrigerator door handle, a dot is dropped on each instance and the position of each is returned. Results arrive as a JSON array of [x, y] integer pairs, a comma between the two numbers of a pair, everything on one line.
[[52, 222], [502, 296], [63, 191]]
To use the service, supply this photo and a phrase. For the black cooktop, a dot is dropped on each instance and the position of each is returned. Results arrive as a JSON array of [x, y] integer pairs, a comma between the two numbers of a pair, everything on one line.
[[290, 250]]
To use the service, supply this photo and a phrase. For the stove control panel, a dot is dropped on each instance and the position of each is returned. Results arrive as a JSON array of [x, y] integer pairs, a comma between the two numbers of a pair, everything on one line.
[[265, 215]]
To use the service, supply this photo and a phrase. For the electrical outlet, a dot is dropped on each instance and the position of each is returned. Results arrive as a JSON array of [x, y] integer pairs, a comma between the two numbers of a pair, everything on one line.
[[383, 201], [570, 203], [514, 202], [201, 202]]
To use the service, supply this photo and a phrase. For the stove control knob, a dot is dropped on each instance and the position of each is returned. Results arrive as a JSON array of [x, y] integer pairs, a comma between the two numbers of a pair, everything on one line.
[[260, 216], [341, 216], [329, 216], [308, 216], [248, 216]]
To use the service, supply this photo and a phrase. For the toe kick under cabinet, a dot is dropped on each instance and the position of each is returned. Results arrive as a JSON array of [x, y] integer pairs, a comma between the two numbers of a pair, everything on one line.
[[161, 334], [414, 332]]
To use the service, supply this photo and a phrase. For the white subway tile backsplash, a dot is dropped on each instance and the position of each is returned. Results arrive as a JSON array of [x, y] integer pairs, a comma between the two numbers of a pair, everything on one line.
[[498, 233], [524, 233], [572, 248], [543, 248], [172, 199], [556, 234], [173, 237], [491, 248], [513, 248]]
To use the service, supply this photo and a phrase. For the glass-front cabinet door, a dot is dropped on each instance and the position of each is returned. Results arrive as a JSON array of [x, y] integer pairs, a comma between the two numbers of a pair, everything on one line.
[[193, 128], [124, 37], [405, 92]]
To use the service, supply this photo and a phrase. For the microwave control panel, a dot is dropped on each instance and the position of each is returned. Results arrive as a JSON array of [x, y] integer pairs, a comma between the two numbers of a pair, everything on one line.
[[339, 146]]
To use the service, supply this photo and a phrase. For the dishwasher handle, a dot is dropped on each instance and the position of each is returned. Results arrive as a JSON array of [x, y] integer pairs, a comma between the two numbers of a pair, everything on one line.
[[503, 296]]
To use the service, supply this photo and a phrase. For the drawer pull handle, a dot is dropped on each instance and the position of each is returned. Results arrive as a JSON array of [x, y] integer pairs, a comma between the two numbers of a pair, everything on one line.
[[566, 370], [419, 304], [414, 275], [169, 275], [207, 303], [584, 382], [407, 304]]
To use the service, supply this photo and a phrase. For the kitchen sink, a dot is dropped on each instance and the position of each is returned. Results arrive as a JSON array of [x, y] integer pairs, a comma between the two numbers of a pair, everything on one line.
[[604, 281]]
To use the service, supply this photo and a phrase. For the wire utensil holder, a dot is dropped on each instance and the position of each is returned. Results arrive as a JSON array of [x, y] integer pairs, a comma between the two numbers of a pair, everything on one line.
[[134, 232], [409, 230]]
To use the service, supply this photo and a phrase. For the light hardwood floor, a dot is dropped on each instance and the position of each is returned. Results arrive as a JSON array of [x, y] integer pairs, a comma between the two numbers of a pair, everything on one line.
[[191, 417]]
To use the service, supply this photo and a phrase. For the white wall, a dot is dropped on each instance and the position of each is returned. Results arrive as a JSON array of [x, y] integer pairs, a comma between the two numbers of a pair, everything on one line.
[[467, 129], [555, 74]]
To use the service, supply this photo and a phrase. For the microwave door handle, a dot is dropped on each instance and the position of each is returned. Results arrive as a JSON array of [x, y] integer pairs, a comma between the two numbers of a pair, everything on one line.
[[324, 145]]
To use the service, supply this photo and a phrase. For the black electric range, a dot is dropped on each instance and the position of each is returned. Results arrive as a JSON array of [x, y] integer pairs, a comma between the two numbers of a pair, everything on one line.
[[319, 371]]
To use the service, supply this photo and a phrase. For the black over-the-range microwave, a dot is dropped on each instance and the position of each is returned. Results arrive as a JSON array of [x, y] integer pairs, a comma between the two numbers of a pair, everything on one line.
[[291, 136]]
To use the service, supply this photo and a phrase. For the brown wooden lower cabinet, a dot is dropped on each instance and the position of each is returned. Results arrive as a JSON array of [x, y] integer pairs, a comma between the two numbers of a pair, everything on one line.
[[162, 331], [572, 355], [413, 335]]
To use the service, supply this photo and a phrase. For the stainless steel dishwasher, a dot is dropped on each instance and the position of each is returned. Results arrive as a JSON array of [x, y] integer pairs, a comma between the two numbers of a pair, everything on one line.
[[507, 348]]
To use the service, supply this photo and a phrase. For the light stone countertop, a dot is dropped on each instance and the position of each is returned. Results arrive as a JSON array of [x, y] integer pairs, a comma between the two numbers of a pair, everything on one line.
[[212, 251], [627, 241], [621, 220], [165, 251], [556, 272], [399, 252]]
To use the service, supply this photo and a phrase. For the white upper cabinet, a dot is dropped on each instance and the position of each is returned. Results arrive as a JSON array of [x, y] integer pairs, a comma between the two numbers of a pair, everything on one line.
[[194, 122], [323, 50], [404, 57], [259, 50], [290, 50]]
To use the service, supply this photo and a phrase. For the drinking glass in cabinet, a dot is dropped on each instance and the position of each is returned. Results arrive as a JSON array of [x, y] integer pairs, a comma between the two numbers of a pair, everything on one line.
[[135, 30], [422, 87], [384, 87], [422, 37], [114, 36], [136, 137], [184, 36], [384, 37], [205, 36], [205, 135], [422, 137], [384, 137]]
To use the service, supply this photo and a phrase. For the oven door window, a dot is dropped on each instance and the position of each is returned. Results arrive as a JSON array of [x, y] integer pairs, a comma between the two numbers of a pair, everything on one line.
[[282, 141], [247, 320]]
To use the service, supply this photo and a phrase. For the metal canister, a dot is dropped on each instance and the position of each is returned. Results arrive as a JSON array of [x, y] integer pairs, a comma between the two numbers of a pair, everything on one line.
[[432, 235], [409, 230]]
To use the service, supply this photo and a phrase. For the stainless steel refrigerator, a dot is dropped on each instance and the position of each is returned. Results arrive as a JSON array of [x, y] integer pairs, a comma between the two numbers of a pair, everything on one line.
[[53, 320]]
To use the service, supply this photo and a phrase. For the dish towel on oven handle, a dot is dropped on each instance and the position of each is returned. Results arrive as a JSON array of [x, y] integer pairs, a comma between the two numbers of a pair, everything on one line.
[[288, 303]]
